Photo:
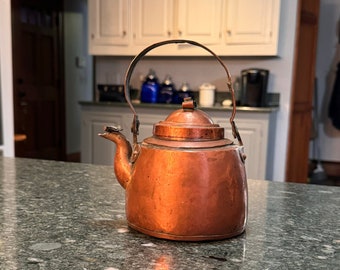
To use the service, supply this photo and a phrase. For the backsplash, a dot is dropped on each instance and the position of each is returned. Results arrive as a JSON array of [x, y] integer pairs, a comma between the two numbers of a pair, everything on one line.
[[193, 70]]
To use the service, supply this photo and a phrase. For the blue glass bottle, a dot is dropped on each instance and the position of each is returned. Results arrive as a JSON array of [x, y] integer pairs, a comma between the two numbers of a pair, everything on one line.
[[182, 93], [150, 88], [166, 91]]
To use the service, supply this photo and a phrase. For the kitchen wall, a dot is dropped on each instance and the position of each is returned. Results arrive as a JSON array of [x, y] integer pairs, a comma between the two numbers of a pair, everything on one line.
[[328, 57], [197, 70], [78, 69]]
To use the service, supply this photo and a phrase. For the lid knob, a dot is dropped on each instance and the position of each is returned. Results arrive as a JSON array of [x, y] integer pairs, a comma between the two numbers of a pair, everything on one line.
[[189, 104]]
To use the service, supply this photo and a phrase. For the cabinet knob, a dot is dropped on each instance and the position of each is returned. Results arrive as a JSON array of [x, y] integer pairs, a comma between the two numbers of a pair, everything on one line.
[[229, 32], [169, 33], [124, 33], [179, 32]]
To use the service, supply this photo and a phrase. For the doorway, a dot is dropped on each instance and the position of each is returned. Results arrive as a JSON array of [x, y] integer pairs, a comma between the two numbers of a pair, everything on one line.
[[302, 92], [38, 79]]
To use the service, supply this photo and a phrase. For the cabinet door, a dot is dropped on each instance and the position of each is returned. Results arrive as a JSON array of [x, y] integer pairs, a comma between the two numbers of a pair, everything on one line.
[[103, 150], [254, 145], [147, 122], [200, 20], [108, 22], [152, 20], [251, 22], [95, 149]]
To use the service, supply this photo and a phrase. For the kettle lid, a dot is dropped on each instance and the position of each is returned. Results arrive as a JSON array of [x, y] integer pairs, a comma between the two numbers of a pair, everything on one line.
[[188, 123]]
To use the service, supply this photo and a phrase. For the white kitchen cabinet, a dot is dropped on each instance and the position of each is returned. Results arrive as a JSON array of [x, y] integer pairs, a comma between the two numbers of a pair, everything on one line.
[[254, 134], [153, 20], [252, 26], [228, 27], [256, 129], [156, 20], [200, 20], [109, 24], [95, 149]]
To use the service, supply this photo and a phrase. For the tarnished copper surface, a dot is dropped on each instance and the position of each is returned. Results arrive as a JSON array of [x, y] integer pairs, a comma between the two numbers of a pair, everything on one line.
[[187, 144], [188, 195], [187, 124]]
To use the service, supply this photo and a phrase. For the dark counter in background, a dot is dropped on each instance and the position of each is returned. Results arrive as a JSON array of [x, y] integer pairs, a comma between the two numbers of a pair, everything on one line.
[[56, 215], [217, 107]]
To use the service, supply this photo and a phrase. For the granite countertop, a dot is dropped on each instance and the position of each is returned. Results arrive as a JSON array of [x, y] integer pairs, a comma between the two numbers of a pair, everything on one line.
[[217, 106], [56, 215]]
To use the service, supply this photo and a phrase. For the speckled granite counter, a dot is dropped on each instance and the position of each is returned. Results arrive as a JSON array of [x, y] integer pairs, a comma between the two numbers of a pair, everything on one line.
[[56, 215]]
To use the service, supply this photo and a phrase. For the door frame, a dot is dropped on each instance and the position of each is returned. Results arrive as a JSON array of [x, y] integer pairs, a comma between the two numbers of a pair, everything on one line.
[[300, 119]]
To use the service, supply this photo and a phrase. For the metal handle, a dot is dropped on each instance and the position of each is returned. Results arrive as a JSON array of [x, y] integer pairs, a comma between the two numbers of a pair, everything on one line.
[[135, 122]]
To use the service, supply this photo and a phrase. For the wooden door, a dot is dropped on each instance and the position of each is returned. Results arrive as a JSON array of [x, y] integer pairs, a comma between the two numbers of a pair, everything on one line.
[[302, 92], [39, 114]]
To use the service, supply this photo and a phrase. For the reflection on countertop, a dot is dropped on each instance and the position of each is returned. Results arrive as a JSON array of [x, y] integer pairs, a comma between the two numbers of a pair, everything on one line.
[[57, 215]]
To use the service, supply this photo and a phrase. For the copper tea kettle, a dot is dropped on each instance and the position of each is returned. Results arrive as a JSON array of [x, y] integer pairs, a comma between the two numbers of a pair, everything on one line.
[[186, 182]]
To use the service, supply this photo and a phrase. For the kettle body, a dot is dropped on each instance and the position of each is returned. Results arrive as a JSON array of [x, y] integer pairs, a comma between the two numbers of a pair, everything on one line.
[[171, 198]]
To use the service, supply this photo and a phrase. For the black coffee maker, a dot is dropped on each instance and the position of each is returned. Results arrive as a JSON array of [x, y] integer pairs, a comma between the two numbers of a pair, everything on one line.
[[254, 87]]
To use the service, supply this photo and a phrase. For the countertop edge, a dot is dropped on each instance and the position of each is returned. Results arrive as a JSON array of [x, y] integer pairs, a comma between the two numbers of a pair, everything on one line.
[[178, 106]]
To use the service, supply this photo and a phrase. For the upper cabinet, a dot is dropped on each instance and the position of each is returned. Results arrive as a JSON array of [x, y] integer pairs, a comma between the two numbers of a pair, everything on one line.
[[153, 20], [109, 22], [228, 27], [199, 20], [252, 26]]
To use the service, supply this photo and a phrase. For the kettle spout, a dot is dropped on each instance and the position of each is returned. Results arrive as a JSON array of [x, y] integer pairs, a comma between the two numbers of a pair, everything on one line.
[[122, 164]]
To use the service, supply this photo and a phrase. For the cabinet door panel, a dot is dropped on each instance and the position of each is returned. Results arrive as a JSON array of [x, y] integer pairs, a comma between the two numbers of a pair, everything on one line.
[[200, 20], [108, 22], [153, 20], [96, 149], [145, 128], [103, 150], [249, 22], [254, 146]]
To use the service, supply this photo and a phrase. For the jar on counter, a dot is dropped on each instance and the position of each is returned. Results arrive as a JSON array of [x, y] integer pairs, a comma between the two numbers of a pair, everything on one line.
[[207, 95]]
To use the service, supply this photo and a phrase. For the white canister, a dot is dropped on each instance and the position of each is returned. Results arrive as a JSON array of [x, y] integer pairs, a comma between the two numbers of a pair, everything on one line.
[[207, 95]]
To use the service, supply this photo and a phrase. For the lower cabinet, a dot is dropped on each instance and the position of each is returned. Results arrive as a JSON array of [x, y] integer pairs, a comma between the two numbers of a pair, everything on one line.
[[255, 127]]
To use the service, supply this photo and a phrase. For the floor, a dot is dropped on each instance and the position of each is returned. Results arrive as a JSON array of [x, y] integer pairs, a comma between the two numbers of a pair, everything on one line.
[[329, 175]]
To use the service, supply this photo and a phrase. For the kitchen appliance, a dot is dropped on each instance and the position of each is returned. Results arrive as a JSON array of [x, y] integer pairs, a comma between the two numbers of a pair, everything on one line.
[[254, 87], [111, 92], [186, 182]]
